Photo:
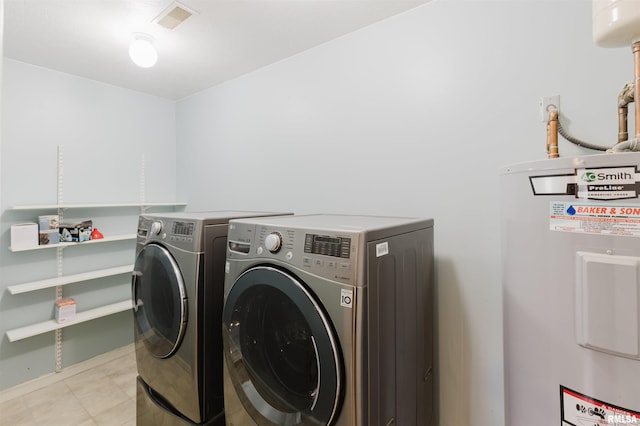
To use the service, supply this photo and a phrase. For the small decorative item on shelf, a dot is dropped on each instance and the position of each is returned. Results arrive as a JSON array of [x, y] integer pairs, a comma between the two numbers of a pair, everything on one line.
[[76, 232], [96, 235], [65, 310], [49, 221], [49, 236], [48, 229]]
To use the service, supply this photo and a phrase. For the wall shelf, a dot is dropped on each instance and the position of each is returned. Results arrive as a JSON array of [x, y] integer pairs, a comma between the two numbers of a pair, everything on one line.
[[65, 245], [51, 325], [93, 206], [59, 281]]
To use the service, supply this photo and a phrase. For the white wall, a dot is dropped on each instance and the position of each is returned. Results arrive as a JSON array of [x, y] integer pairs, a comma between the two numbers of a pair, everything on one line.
[[1, 56], [105, 131], [412, 116]]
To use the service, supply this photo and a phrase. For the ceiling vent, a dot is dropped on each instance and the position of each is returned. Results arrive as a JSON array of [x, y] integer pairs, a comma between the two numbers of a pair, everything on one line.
[[173, 16]]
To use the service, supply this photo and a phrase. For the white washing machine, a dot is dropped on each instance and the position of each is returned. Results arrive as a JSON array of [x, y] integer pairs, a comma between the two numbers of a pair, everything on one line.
[[328, 320], [177, 291]]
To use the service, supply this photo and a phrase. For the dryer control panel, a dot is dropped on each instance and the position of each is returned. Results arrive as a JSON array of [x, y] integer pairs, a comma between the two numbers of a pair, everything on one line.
[[175, 232], [329, 255], [327, 245]]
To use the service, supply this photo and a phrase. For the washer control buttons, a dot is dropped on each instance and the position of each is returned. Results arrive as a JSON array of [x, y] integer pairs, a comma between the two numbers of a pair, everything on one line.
[[273, 242], [156, 227]]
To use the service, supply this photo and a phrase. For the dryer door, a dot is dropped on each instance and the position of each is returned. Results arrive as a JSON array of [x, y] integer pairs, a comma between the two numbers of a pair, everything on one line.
[[280, 350], [159, 301]]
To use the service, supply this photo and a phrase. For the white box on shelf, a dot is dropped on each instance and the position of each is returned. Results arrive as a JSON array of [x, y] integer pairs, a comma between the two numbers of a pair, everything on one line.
[[65, 310], [24, 235]]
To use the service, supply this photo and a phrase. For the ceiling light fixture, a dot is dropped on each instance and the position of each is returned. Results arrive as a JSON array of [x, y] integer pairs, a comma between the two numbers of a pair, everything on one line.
[[142, 52]]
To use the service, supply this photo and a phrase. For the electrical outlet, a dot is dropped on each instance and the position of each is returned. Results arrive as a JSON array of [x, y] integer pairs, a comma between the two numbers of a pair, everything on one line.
[[545, 103]]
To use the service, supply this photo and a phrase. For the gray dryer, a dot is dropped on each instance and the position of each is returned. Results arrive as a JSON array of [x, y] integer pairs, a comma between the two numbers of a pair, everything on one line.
[[328, 320]]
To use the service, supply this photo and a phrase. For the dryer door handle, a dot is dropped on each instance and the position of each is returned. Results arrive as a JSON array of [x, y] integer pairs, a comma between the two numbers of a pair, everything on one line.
[[316, 392], [134, 290]]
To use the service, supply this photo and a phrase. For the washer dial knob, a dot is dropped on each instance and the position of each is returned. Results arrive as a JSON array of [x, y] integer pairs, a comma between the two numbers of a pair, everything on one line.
[[156, 227], [273, 242]]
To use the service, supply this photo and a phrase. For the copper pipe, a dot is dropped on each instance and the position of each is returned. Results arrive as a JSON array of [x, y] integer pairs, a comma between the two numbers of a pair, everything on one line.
[[548, 133], [624, 99], [552, 135], [623, 133], [636, 61]]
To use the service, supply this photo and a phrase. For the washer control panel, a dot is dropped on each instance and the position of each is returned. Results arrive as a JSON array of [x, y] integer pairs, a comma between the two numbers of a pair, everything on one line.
[[175, 232], [329, 255]]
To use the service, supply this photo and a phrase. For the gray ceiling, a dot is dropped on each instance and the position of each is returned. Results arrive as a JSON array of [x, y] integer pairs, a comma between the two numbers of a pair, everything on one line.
[[224, 39]]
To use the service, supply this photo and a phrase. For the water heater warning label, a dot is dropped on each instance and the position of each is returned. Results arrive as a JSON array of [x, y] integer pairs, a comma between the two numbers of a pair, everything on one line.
[[593, 218], [581, 410]]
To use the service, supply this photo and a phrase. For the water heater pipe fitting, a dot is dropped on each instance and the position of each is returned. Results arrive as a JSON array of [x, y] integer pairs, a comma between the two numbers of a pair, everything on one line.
[[624, 98]]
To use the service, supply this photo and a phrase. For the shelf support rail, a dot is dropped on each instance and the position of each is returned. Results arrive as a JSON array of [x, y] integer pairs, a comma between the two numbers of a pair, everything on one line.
[[142, 185], [59, 258]]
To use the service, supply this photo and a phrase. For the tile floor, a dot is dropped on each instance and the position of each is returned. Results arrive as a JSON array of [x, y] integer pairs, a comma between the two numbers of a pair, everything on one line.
[[102, 395]]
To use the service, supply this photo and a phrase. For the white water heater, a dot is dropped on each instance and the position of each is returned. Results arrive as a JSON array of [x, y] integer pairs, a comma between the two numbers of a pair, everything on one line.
[[571, 291], [616, 23]]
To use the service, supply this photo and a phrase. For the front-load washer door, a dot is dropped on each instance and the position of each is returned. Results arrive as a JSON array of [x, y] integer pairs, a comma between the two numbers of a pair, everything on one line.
[[159, 301], [280, 350]]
